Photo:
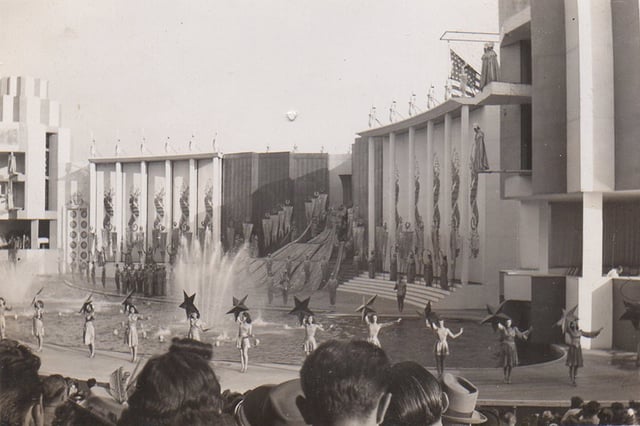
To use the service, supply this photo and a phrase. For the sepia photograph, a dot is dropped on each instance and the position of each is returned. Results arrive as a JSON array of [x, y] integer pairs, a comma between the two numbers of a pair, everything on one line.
[[319, 212]]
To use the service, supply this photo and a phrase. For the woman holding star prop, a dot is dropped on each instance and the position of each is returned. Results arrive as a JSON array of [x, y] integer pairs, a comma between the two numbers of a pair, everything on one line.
[[441, 348], [572, 334], [245, 331], [307, 320], [369, 316]]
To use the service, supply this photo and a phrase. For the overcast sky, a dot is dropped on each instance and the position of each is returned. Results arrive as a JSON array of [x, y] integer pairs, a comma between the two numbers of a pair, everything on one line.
[[123, 68]]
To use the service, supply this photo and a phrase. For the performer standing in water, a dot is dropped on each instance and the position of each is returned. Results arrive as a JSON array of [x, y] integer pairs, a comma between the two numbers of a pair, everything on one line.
[[572, 337], [38, 324], [508, 351], [195, 326], [3, 308], [245, 332], [310, 328], [375, 327], [89, 331], [441, 348], [131, 334]]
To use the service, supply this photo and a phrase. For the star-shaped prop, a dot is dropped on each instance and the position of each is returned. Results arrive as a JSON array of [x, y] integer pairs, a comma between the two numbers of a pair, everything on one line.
[[429, 315], [366, 307], [632, 313], [568, 315], [238, 306], [127, 302], [86, 304], [188, 304], [36, 296], [301, 309], [495, 316]]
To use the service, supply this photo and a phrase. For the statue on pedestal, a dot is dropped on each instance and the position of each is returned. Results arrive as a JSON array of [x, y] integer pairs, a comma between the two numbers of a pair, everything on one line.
[[11, 165], [490, 68]]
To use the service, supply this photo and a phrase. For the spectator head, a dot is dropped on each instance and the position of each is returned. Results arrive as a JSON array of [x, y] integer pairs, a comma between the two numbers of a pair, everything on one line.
[[606, 416], [576, 402], [91, 383], [618, 411], [54, 390], [271, 405], [176, 388], [509, 418], [591, 409], [21, 396], [462, 396], [416, 396], [345, 381]]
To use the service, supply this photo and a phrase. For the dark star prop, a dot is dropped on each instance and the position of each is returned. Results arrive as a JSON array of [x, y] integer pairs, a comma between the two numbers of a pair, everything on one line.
[[632, 313], [495, 316], [86, 304], [127, 302], [301, 309], [238, 306], [429, 315], [568, 315], [36, 296], [188, 304], [366, 307]]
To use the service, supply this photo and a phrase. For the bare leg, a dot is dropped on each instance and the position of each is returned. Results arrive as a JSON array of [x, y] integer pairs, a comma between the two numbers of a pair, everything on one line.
[[39, 338], [134, 353], [508, 374], [92, 350]]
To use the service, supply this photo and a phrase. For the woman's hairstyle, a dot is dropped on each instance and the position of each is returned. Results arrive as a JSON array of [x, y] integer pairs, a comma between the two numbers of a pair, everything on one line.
[[176, 388], [247, 317], [39, 304], [416, 396]]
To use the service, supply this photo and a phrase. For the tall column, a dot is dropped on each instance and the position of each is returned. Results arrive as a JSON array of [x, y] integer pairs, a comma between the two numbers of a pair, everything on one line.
[[119, 206], [144, 191], [34, 234], [371, 199], [595, 298], [391, 223], [411, 198], [193, 197], [216, 226], [428, 170], [93, 198], [168, 203], [445, 190], [465, 220]]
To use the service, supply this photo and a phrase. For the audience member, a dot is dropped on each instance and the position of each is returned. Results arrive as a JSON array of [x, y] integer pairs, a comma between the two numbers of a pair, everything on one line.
[[416, 397], [177, 388], [21, 389], [589, 413], [576, 407], [462, 395], [345, 382], [271, 405], [54, 394], [72, 414]]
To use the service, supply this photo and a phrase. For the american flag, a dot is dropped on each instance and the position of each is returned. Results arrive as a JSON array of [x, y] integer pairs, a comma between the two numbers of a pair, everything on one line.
[[460, 68]]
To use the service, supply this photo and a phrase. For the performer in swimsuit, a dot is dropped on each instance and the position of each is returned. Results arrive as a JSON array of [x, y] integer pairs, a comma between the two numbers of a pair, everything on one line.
[[310, 328], [195, 326], [375, 327], [574, 357], [441, 348], [89, 331], [245, 332], [508, 351], [131, 335], [38, 324], [3, 308]]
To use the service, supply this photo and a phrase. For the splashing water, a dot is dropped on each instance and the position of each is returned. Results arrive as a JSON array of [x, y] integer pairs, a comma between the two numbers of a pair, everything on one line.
[[18, 281]]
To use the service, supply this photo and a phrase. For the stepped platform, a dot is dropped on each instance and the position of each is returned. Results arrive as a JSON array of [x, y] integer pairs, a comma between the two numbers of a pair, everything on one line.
[[418, 295]]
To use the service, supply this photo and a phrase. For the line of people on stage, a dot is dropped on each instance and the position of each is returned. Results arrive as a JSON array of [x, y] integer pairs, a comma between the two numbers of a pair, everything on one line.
[[149, 280], [280, 283]]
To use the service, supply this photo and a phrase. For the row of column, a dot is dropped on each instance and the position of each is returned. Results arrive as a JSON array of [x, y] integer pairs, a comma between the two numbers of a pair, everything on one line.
[[121, 202], [445, 188]]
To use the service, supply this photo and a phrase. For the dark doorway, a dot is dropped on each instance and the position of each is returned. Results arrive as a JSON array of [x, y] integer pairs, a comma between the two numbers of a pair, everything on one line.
[[347, 196]]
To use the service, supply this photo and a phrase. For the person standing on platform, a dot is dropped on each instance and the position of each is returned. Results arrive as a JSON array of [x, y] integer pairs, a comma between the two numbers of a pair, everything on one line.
[[428, 269], [92, 268], [126, 274], [324, 271], [572, 337], [103, 276], [332, 284], [3, 308], [38, 323], [131, 334], [444, 273], [508, 350], [285, 285], [117, 278], [89, 331], [356, 262], [306, 266], [393, 265], [272, 285], [372, 264], [268, 263], [441, 349], [401, 292], [139, 274], [411, 268], [289, 266]]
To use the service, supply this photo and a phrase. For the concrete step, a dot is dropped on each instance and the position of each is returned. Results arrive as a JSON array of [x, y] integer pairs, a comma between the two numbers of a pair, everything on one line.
[[419, 288], [416, 302], [386, 289]]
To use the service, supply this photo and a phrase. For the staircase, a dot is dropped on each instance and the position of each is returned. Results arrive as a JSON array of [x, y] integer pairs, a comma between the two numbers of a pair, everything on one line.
[[417, 294]]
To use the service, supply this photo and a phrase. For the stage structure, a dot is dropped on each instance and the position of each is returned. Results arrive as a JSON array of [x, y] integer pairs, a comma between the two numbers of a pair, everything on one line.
[[144, 205]]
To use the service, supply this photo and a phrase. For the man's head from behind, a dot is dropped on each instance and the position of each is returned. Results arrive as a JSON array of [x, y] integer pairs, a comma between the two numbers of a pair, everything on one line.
[[21, 389], [345, 381]]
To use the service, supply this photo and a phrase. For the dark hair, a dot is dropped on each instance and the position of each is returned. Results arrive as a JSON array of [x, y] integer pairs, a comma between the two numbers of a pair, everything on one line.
[[619, 413], [19, 381], [204, 350], [344, 380], [606, 416], [54, 387], [91, 383], [247, 317], [591, 408], [71, 414], [416, 396], [176, 388], [576, 402]]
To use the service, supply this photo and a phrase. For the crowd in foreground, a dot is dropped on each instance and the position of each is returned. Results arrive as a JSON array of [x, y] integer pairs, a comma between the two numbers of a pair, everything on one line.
[[342, 383]]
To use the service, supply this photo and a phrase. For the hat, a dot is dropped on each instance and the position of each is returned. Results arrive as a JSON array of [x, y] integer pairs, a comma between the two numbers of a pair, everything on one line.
[[271, 405], [462, 400]]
